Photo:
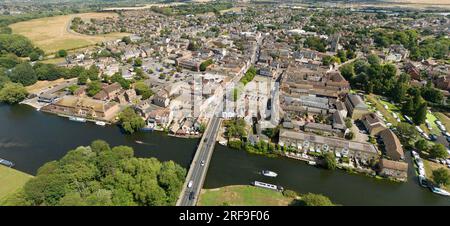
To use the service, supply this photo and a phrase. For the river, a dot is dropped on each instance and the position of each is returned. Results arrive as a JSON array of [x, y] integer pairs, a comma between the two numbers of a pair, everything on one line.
[[31, 138]]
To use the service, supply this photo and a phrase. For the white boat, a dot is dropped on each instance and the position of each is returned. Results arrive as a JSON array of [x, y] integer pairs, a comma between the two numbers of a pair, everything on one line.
[[100, 123], [312, 163], [268, 186], [440, 191], [77, 119], [268, 173], [6, 162], [139, 142]]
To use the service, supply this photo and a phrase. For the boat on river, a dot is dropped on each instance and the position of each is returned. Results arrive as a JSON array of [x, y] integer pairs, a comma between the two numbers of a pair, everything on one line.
[[268, 186], [77, 119], [439, 191], [139, 142], [6, 162], [268, 173], [100, 123]]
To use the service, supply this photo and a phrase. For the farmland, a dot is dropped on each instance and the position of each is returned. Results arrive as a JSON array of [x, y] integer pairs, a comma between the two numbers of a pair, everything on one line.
[[52, 33], [242, 196]]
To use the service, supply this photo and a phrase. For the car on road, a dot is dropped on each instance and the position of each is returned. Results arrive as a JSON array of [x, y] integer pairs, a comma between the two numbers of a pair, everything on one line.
[[191, 195], [190, 183], [205, 140], [202, 163]]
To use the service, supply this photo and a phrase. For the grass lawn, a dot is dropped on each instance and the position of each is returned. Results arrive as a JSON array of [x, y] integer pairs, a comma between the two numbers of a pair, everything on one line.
[[11, 181], [52, 33], [431, 119], [430, 166], [444, 119], [242, 195], [378, 105]]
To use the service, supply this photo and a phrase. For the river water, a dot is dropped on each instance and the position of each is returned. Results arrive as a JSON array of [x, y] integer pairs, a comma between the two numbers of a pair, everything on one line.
[[31, 138]]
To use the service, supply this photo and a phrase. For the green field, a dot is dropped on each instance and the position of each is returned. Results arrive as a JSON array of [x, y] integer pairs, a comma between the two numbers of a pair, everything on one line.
[[430, 166], [11, 181], [241, 195]]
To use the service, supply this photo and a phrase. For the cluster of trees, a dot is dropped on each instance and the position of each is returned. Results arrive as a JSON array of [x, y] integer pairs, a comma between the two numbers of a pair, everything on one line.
[[130, 121], [310, 199], [235, 128], [414, 105], [249, 75], [373, 77], [441, 176], [142, 89], [98, 175], [436, 47], [370, 75], [316, 43], [18, 45], [436, 151], [205, 64], [341, 57]]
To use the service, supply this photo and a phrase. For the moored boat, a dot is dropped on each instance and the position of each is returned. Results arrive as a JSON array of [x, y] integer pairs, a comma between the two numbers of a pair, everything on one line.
[[312, 163], [439, 191], [77, 119], [100, 123], [266, 185], [268, 173], [6, 162]]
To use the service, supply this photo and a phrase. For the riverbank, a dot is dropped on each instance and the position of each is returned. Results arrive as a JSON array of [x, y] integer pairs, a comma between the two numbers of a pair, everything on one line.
[[242, 195], [11, 181]]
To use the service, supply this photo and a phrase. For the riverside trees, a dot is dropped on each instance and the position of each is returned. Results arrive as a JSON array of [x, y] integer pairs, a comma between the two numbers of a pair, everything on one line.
[[100, 175]]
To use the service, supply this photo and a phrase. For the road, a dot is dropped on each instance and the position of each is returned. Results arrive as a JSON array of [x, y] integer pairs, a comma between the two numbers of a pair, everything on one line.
[[197, 171]]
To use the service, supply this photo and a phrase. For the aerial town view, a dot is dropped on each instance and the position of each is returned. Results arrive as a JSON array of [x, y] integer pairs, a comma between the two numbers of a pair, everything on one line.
[[225, 103]]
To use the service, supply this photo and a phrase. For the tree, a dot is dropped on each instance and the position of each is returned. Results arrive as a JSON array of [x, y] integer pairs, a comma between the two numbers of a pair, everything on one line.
[[441, 176], [421, 145], [98, 175], [205, 64], [34, 56], [399, 91], [82, 79], [348, 71], [61, 53], [330, 161], [130, 121], [438, 151], [23, 73], [342, 55], [93, 88], [421, 114], [126, 39], [13, 93], [408, 107], [137, 62], [9, 60], [406, 132], [310, 199], [143, 89], [117, 77]]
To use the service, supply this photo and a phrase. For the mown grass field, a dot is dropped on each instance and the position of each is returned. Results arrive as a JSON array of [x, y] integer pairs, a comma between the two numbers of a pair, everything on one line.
[[241, 195], [52, 33], [430, 166], [11, 181]]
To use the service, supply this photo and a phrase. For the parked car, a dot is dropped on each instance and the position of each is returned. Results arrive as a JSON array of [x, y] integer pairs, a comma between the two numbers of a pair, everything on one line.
[[190, 184]]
